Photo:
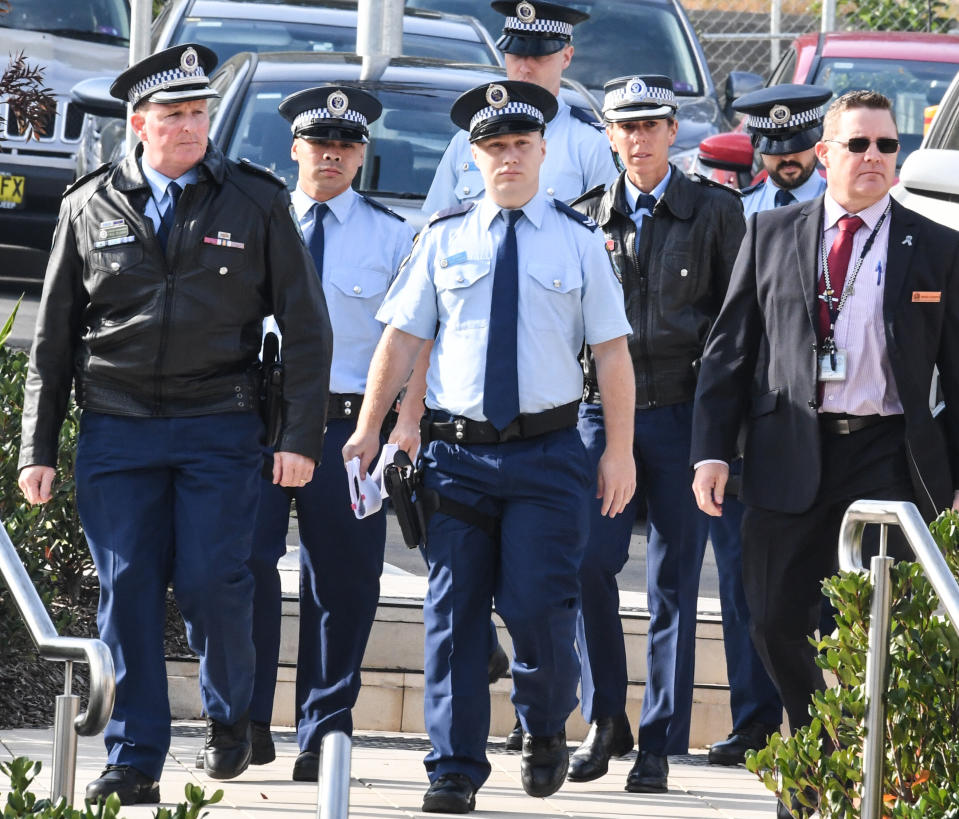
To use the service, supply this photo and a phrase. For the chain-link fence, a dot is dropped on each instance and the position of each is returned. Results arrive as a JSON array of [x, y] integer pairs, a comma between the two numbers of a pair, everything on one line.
[[749, 35]]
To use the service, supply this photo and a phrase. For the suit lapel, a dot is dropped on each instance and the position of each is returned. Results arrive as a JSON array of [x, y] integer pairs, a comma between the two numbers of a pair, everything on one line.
[[903, 237], [808, 227]]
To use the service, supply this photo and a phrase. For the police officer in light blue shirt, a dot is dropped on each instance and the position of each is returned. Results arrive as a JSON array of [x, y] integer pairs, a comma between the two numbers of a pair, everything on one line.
[[357, 245], [785, 122], [537, 42], [509, 287]]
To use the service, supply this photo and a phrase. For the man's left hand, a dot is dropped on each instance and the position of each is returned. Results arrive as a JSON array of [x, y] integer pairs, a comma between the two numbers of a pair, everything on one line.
[[291, 469], [615, 481], [406, 435]]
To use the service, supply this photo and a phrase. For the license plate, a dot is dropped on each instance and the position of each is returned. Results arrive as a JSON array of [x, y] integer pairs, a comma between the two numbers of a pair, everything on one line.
[[11, 191]]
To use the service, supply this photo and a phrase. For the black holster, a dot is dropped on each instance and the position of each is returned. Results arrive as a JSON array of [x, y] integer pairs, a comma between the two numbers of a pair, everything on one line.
[[271, 389]]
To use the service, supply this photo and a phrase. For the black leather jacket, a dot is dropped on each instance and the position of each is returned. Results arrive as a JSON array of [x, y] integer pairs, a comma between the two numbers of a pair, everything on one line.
[[147, 335], [675, 285]]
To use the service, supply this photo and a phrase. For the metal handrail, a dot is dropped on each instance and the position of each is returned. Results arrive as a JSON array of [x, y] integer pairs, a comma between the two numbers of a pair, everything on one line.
[[907, 517], [52, 646], [333, 788]]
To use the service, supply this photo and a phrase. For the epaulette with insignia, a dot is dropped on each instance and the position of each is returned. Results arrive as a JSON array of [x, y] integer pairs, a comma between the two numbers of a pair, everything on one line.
[[751, 188], [587, 117], [446, 213], [380, 206], [586, 221], [86, 177], [712, 183], [592, 193], [262, 170]]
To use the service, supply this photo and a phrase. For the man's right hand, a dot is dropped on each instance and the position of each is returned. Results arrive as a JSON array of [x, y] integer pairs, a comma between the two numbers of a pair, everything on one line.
[[36, 483], [709, 484], [364, 445]]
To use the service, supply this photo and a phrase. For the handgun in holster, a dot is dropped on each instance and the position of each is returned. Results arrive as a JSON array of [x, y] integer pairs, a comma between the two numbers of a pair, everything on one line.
[[271, 389], [403, 483]]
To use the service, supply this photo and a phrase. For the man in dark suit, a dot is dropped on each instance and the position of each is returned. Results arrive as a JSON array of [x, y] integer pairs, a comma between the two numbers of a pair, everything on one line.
[[848, 301]]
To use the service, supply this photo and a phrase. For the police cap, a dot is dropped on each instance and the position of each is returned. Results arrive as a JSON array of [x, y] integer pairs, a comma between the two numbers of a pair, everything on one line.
[[176, 74], [784, 119], [505, 107], [642, 96], [332, 112], [533, 29]]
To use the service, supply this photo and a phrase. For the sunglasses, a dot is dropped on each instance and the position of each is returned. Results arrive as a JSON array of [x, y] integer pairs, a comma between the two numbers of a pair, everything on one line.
[[859, 145]]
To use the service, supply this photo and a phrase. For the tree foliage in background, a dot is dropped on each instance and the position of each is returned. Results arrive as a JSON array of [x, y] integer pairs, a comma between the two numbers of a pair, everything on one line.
[[822, 762], [894, 15], [21, 87]]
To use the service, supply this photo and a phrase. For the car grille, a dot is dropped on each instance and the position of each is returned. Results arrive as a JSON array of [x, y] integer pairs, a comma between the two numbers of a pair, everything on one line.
[[63, 125]]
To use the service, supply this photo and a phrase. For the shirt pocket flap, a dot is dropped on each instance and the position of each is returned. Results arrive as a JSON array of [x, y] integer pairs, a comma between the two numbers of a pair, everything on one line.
[[469, 184], [359, 282], [461, 274], [556, 278]]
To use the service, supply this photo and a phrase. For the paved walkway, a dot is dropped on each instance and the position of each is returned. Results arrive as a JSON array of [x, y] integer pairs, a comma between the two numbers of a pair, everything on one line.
[[388, 780]]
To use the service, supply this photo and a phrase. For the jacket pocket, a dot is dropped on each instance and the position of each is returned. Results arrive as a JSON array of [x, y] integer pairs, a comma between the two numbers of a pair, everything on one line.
[[764, 403], [116, 260], [224, 260]]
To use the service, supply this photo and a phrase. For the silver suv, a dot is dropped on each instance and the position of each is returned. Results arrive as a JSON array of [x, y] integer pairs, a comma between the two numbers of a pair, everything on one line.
[[72, 40]]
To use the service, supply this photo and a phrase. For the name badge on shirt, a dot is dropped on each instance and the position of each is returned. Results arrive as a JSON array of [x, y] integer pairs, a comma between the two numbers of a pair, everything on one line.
[[832, 366]]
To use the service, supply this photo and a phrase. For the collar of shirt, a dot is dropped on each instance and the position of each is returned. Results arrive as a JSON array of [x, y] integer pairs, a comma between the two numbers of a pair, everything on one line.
[[834, 212], [340, 205], [532, 210], [633, 192], [807, 190], [158, 182]]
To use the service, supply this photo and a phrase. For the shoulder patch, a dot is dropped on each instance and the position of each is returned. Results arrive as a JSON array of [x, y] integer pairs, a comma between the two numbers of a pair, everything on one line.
[[260, 170], [447, 213], [102, 169], [592, 193], [751, 188], [586, 221], [712, 183], [380, 206], [586, 116]]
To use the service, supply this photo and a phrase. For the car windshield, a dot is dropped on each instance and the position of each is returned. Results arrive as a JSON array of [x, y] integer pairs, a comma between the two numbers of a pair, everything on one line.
[[619, 38], [105, 21], [911, 85], [406, 142], [228, 37]]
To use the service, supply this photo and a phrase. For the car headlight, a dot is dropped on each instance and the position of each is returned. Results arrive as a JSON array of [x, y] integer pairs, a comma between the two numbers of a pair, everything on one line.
[[685, 160]]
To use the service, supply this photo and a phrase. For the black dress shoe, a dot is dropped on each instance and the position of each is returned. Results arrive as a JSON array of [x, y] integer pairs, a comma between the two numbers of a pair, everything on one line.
[[227, 751], [132, 786], [649, 774], [732, 750], [544, 764], [607, 737], [261, 740], [514, 740], [498, 664], [307, 767], [450, 793], [798, 811]]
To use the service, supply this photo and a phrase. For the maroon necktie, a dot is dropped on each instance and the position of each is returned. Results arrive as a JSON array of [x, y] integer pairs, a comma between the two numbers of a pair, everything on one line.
[[838, 262]]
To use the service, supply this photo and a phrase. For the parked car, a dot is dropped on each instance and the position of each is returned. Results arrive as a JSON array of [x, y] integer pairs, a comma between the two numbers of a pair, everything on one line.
[[912, 69], [929, 178], [638, 37], [70, 40], [231, 26]]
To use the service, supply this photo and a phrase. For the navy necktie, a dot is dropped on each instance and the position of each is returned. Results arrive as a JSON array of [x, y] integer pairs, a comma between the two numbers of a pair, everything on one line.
[[320, 209], [501, 385], [166, 220], [646, 200], [784, 198]]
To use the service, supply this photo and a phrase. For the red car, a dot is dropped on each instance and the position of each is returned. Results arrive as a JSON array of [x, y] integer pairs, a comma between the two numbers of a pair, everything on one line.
[[912, 69]]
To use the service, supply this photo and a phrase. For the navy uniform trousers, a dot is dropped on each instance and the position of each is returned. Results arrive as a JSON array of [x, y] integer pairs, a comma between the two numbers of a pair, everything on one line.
[[341, 560], [676, 541], [170, 500], [539, 488]]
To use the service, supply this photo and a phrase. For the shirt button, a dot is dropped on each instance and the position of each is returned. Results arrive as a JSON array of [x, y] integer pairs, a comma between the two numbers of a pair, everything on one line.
[[357, 289], [460, 280], [444, 263], [684, 272], [550, 191], [466, 190], [114, 266], [556, 282], [223, 271]]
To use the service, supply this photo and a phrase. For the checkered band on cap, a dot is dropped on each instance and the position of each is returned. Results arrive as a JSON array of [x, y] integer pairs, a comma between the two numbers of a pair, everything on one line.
[[798, 120], [165, 80], [636, 92], [514, 25], [510, 108], [315, 115]]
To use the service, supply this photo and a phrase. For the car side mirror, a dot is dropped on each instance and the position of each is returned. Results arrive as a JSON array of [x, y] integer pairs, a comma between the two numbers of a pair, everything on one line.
[[729, 152], [93, 97], [738, 84]]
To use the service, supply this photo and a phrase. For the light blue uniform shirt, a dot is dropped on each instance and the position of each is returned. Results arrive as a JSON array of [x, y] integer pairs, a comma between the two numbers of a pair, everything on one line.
[[764, 197], [362, 250], [578, 158], [159, 199], [566, 289]]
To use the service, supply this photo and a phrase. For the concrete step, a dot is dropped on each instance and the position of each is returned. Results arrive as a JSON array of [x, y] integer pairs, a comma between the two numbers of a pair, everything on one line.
[[391, 698]]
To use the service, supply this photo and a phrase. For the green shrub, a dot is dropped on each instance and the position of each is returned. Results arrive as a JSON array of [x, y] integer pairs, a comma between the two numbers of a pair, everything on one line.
[[22, 803], [822, 762]]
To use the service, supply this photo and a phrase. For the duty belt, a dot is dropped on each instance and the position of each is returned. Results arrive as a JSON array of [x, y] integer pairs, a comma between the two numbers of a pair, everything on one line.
[[455, 429], [343, 405], [842, 424]]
